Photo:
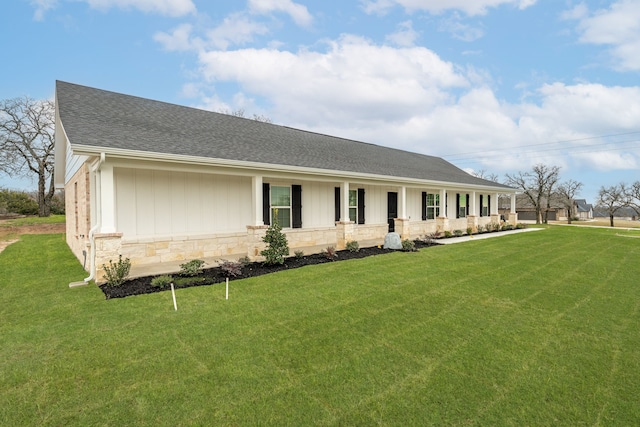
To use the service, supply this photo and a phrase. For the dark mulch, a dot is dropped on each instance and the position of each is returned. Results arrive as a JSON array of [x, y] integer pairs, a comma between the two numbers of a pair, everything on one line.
[[210, 276]]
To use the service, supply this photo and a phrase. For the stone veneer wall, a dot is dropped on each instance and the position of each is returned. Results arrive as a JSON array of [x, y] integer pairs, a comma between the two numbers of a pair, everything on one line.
[[235, 245], [77, 208]]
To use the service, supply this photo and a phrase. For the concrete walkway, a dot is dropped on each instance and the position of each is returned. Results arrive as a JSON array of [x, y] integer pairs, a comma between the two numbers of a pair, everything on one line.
[[461, 239]]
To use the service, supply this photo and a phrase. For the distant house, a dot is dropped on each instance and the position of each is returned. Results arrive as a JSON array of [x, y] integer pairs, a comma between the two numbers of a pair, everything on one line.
[[624, 213], [162, 183], [583, 210], [555, 210]]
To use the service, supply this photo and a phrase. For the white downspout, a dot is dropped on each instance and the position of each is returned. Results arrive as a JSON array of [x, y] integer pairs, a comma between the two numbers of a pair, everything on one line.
[[92, 240]]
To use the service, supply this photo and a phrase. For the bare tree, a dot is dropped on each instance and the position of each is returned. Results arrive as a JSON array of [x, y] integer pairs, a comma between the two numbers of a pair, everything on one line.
[[634, 196], [567, 192], [537, 185], [27, 144], [486, 175], [241, 113], [612, 199]]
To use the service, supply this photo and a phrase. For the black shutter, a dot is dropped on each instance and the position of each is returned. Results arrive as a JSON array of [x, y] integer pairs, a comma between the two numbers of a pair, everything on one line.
[[489, 205], [424, 205], [337, 204], [296, 206], [457, 205], [360, 205], [466, 211], [481, 205], [266, 204]]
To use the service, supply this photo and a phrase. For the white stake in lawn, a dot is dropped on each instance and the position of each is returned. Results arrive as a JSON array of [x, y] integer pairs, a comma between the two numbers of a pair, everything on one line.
[[227, 290], [173, 293]]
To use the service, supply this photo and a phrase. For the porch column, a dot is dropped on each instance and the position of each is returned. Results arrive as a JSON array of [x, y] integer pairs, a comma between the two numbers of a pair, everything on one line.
[[494, 209], [107, 199], [472, 205], [442, 222], [443, 204], [513, 215], [402, 225], [256, 201], [344, 205]]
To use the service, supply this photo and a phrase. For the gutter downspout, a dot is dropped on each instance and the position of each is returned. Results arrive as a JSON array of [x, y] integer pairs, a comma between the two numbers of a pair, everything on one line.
[[92, 240]]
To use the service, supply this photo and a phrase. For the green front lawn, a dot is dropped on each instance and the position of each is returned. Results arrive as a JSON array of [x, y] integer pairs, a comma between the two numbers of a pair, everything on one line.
[[537, 328]]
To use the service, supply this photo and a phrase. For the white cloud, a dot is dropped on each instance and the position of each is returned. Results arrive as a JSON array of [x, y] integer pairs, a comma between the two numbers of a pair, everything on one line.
[[617, 27], [41, 7], [163, 7], [297, 12], [460, 30], [236, 29], [405, 36], [179, 39], [172, 8], [469, 7], [353, 80]]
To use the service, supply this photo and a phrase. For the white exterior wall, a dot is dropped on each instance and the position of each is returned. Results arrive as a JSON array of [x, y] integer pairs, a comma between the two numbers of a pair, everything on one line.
[[168, 203], [318, 204]]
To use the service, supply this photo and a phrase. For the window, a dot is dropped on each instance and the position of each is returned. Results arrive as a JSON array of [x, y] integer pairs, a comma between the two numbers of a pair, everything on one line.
[[353, 205], [484, 205], [433, 205], [462, 205], [281, 205]]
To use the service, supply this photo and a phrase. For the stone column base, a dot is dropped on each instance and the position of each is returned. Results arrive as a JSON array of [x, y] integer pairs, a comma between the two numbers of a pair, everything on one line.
[[403, 228], [345, 232], [108, 247], [513, 218], [255, 244], [442, 224], [472, 223]]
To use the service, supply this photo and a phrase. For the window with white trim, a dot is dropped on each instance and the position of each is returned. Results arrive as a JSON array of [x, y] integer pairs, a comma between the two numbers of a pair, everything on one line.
[[433, 205], [353, 206], [281, 205], [485, 206]]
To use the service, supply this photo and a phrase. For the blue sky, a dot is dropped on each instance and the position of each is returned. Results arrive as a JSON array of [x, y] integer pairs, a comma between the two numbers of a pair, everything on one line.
[[493, 85]]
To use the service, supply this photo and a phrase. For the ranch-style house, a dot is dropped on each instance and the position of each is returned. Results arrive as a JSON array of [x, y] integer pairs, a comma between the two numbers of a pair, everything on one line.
[[160, 183]]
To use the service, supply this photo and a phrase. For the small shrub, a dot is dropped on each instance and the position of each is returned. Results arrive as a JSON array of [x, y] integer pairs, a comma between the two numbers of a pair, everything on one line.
[[277, 246], [231, 269], [244, 260], [191, 268], [447, 233], [431, 237], [298, 254], [520, 225], [469, 231], [408, 245], [496, 226], [161, 281], [116, 273], [330, 253], [457, 233], [353, 246], [507, 226]]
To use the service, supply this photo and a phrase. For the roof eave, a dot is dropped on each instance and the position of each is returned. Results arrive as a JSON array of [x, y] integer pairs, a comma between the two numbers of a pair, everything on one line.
[[89, 150]]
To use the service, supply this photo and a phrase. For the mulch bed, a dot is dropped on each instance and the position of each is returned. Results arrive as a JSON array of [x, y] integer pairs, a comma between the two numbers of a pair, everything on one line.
[[210, 276]]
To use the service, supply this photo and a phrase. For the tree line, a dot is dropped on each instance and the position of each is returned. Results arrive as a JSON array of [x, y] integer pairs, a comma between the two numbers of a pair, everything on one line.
[[542, 184]]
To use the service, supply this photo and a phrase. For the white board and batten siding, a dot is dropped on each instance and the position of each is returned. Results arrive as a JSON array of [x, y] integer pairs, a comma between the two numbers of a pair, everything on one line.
[[152, 203]]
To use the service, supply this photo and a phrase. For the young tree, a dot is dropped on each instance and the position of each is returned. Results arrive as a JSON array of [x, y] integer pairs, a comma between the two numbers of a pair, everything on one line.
[[612, 199], [27, 144], [567, 192], [537, 185]]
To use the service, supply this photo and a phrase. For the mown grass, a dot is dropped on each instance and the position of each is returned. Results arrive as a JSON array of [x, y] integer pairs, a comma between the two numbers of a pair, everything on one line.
[[33, 220], [538, 328]]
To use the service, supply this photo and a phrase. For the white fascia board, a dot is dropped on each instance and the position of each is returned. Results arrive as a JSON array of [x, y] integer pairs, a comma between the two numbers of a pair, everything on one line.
[[276, 168]]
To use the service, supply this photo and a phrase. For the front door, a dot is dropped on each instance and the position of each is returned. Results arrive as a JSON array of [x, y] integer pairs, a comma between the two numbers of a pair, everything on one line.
[[392, 210]]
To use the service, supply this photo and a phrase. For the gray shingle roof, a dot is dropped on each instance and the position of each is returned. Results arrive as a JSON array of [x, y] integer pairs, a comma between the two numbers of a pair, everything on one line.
[[109, 120]]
